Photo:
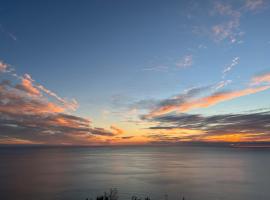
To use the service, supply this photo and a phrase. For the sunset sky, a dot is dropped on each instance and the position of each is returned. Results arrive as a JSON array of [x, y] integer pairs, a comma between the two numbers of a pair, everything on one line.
[[108, 72]]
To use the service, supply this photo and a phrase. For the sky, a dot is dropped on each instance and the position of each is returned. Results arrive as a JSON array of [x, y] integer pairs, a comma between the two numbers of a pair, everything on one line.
[[105, 72]]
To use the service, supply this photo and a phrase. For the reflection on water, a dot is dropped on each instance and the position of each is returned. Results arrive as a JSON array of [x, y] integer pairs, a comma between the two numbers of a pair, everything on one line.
[[199, 173]]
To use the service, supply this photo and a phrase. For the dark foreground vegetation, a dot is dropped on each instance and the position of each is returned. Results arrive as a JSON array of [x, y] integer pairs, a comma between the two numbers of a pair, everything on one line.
[[113, 195]]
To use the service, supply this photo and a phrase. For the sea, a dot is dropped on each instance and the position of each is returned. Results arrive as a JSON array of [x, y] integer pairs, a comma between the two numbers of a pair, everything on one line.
[[157, 172]]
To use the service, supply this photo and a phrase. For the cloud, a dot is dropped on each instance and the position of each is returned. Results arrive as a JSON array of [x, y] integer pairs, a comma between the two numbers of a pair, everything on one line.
[[225, 9], [230, 28], [235, 62], [101, 131], [117, 130], [185, 62], [224, 31], [9, 34], [14, 100], [172, 123], [144, 104], [158, 68], [36, 119], [226, 127], [173, 134], [264, 78], [29, 114], [3, 67], [27, 85], [227, 22], [34, 114], [185, 103], [30, 86], [222, 84], [127, 137], [8, 140], [166, 105], [254, 5], [70, 104]]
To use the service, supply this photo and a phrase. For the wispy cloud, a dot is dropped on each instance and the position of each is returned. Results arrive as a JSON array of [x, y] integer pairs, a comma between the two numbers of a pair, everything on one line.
[[70, 104], [166, 104], [229, 29], [158, 68], [9, 34], [222, 84], [227, 69], [185, 62], [173, 64], [254, 5], [203, 102]]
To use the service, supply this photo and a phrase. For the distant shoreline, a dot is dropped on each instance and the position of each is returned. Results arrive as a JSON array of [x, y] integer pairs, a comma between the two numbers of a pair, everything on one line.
[[182, 144]]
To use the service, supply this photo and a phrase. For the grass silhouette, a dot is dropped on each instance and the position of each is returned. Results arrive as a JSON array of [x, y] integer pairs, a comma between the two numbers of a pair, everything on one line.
[[113, 195]]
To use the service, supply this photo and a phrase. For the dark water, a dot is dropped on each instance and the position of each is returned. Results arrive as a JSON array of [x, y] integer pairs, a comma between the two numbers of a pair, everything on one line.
[[199, 173]]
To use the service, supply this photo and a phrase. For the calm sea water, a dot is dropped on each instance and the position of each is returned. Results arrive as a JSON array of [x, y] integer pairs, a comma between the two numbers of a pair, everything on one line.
[[198, 173]]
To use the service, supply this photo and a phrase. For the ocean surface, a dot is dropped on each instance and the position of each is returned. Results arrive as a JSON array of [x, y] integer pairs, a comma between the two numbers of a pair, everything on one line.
[[198, 173]]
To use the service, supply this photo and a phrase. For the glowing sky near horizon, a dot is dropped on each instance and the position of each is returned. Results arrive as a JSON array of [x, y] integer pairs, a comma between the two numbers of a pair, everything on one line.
[[134, 72]]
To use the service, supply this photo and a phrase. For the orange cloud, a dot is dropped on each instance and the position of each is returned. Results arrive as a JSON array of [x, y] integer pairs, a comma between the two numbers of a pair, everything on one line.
[[8, 140], [205, 101], [31, 108], [129, 140], [18, 101], [31, 87], [233, 137], [189, 135], [117, 130], [219, 97], [265, 78], [181, 133], [72, 105], [252, 126], [28, 116], [27, 85]]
